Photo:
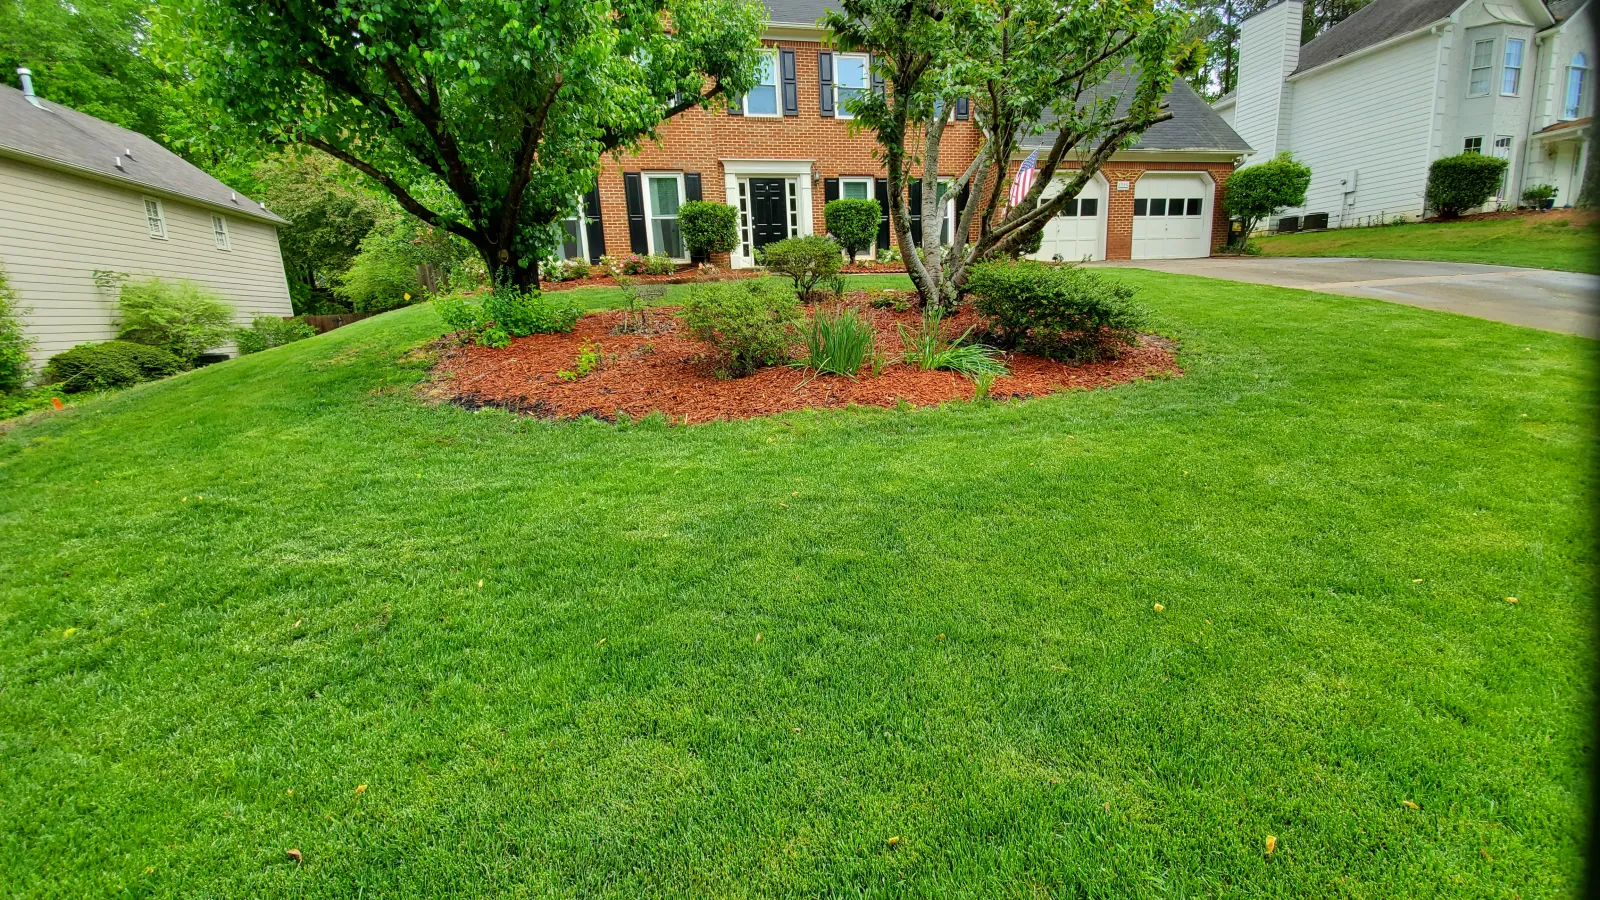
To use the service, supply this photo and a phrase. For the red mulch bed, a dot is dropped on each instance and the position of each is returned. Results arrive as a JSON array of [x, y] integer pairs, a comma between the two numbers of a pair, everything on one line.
[[675, 374], [879, 269], [1580, 216]]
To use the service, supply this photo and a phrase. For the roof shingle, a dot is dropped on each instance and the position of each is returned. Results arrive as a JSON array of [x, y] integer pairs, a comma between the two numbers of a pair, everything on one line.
[[55, 133]]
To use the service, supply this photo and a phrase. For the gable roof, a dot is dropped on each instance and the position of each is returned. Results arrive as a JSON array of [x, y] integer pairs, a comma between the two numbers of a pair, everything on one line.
[[65, 138], [1194, 124], [798, 12], [1563, 9], [1374, 23]]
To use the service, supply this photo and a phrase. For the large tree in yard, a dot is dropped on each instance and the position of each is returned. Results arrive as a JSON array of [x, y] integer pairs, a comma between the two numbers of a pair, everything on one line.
[[485, 118], [1090, 73]]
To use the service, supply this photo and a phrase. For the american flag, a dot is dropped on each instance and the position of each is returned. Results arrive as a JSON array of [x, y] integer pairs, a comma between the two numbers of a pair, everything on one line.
[[1024, 179]]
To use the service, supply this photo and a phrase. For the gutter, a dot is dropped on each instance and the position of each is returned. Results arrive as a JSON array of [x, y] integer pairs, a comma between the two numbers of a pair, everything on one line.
[[45, 162], [1370, 49]]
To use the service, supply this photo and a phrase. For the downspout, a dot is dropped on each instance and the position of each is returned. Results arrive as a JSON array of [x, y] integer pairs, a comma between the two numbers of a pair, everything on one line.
[[1527, 126], [1439, 32]]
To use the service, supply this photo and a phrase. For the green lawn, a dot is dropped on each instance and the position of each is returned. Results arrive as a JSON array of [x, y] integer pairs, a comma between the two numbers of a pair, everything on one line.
[[869, 653], [1552, 241]]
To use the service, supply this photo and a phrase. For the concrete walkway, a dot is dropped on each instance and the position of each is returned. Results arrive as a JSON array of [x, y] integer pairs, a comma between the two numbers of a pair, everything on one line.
[[1538, 298]]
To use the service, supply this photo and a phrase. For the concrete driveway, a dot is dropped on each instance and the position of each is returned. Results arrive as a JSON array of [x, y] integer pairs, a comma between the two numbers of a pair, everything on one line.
[[1554, 301]]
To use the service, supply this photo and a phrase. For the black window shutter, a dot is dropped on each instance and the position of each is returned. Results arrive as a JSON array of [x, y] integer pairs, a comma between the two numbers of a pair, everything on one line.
[[691, 191], [791, 88], [963, 110], [597, 233], [633, 186], [830, 190], [825, 82], [915, 196], [877, 78], [880, 189]]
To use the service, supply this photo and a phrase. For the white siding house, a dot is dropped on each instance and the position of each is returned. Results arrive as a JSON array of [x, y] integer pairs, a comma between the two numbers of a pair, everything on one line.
[[1370, 103], [80, 196]]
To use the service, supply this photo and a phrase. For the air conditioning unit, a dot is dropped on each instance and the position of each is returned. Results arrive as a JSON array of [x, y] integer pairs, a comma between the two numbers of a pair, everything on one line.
[[1315, 222], [1288, 224]]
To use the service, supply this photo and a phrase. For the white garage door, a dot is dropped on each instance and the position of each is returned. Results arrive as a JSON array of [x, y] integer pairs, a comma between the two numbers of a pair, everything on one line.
[[1171, 216], [1079, 231]]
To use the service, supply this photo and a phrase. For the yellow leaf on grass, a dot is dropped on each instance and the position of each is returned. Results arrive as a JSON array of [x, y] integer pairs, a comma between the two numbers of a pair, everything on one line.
[[1511, 600], [1272, 844], [69, 632], [599, 642], [361, 789], [1409, 804], [758, 637], [1160, 608], [295, 855], [894, 841]]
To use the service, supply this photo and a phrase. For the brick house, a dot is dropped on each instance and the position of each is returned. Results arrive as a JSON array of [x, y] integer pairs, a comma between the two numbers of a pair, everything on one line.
[[787, 148]]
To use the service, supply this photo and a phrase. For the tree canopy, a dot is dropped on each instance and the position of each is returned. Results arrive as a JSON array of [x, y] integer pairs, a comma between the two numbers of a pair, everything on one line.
[[484, 118], [1092, 75]]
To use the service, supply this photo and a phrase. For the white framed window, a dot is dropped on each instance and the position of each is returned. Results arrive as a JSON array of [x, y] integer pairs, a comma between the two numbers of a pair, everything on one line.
[[763, 98], [1472, 145], [219, 232], [1577, 87], [855, 188], [663, 194], [1511, 71], [852, 77], [1482, 68], [156, 217], [1160, 206], [575, 234]]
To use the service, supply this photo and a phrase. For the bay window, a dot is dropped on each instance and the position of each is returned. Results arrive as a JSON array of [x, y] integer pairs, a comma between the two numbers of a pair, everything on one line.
[[1511, 71], [1577, 83], [1482, 68]]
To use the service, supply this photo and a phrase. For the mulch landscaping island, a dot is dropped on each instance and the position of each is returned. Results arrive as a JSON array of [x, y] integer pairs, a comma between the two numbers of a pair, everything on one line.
[[674, 373]]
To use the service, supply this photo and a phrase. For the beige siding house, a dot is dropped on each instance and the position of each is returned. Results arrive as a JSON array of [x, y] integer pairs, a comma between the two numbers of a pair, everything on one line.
[[80, 196]]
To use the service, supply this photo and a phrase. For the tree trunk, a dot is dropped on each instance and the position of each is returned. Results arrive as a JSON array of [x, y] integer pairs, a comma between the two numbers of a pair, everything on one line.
[[1589, 192], [504, 269]]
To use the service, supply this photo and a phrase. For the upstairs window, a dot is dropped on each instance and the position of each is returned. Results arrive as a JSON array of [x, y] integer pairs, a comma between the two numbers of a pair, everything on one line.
[[1482, 68], [219, 232], [851, 74], [1577, 85], [1511, 72], [156, 218], [763, 98], [1472, 145]]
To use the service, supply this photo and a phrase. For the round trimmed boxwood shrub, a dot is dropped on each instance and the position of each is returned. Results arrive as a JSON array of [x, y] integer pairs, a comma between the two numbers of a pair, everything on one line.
[[750, 322], [1061, 312], [708, 227], [111, 364], [1459, 183], [807, 260], [853, 223]]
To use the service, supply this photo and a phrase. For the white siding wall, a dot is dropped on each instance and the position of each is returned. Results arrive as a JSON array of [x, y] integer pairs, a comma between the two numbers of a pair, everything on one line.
[[1269, 49], [56, 229], [1373, 116]]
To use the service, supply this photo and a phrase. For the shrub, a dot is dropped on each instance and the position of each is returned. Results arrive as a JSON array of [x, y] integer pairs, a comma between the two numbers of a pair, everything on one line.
[[266, 332], [379, 279], [926, 349], [1063, 312], [888, 255], [839, 341], [1459, 183], [750, 322], [853, 223], [112, 364], [659, 264], [523, 313], [1263, 190], [708, 227], [14, 342], [807, 260], [180, 317], [1539, 194], [504, 314]]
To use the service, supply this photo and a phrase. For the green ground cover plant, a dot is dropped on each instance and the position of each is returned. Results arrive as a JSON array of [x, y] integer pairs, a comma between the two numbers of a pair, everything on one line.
[[281, 602]]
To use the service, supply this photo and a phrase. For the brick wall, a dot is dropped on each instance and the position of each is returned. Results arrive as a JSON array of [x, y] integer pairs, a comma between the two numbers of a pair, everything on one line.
[[699, 139]]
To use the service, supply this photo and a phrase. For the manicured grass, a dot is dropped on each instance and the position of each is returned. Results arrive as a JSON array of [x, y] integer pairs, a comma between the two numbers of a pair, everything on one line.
[[1554, 240], [874, 653]]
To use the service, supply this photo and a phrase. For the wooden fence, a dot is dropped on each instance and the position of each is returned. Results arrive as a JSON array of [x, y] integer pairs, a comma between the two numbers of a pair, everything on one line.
[[328, 323]]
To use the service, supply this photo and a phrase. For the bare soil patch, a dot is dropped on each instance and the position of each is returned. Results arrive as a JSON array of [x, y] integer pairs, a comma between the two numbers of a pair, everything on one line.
[[674, 373], [1576, 217]]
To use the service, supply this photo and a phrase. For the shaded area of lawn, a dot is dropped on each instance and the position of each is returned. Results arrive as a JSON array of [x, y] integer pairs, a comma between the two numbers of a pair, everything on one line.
[[1555, 240], [737, 659]]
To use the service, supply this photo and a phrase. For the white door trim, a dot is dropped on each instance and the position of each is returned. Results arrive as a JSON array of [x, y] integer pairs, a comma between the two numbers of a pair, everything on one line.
[[736, 170]]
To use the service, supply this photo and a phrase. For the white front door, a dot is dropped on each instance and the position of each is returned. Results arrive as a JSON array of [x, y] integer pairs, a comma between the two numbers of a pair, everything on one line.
[[1079, 231], [1172, 216]]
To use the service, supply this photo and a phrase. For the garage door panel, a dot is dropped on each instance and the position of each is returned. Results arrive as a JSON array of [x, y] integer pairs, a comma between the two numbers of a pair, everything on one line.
[[1172, 216], [1078, 231]]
